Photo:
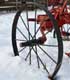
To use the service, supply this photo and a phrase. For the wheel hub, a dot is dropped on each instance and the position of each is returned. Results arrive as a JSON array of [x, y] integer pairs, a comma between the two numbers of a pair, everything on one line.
[[32, 42]]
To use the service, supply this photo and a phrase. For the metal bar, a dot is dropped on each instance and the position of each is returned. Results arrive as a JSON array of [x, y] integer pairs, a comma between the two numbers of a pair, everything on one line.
[[48, 55], [41, 61], [22, 33]]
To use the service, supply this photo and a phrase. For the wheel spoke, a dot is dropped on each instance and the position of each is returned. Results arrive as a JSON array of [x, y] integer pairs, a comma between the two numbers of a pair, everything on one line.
[[21, 49], [35, 23], [37, 57], [25, 26], [47, 54], [39, 29], [28, 25], [30, 56], [29, 53], [20, 40], [22, 33], [41, 61], [35, 38], [36, 32], [68, 29], [49, 45], [28, 36]]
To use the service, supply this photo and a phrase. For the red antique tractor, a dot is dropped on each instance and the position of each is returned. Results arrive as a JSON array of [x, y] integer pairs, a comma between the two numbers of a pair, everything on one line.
[[32, 34]]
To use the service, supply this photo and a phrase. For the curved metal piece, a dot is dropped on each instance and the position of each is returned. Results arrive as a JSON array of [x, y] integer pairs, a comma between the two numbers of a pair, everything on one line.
[[57, 31]]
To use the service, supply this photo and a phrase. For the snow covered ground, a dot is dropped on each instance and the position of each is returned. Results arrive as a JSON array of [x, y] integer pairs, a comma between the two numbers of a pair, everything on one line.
[[15, 68]]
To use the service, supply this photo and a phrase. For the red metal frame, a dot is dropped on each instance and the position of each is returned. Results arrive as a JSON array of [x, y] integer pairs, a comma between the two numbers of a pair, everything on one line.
[[61, 15], [55, 2]]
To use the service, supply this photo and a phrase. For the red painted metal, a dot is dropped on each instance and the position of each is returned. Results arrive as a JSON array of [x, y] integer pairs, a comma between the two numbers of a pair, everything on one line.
[[67, 54], [60, 13], [55, 2]]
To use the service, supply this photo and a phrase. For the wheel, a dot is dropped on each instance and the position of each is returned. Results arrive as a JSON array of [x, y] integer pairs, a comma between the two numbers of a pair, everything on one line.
[[54, 35], [65, 32], [26, 39]]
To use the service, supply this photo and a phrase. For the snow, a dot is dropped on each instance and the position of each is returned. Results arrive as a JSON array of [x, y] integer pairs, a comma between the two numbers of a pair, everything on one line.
[[15, 68]]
